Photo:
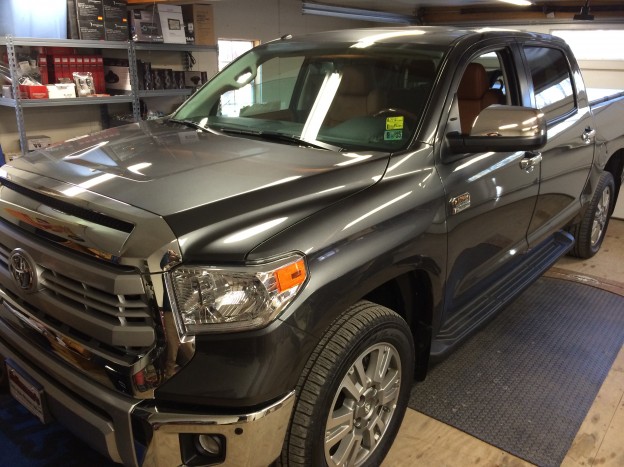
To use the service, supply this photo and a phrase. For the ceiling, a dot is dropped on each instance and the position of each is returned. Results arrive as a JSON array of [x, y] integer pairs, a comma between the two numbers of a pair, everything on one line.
[[408, 7]]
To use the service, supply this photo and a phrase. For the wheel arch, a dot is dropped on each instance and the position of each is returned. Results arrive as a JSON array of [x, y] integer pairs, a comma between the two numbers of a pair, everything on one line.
[[410, 295], [615, 165]]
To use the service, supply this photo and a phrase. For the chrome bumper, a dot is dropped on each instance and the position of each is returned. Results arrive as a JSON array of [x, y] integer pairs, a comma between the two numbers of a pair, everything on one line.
[[253, 439], [128, 431]]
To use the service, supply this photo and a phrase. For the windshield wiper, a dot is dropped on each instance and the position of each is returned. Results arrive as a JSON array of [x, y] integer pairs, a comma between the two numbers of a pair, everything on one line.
[[192, 124], [275, 136]]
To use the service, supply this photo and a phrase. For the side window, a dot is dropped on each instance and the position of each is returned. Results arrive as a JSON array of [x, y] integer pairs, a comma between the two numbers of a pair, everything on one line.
[[552, 81], [484, 83]]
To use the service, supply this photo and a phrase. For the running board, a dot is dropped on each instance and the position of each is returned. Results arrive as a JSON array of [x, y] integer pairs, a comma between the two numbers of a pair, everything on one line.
[[533, 264]]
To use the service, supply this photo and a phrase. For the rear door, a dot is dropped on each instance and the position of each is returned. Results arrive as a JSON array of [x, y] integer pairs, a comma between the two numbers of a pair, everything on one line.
[[568, 154]]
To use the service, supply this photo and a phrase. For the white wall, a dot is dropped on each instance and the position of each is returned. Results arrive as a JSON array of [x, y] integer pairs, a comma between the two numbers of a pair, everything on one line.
[[269, 19], [596, 73], [234, 19]]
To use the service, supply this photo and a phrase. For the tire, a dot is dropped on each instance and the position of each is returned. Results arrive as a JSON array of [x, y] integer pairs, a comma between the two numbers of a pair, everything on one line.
[[590, 231], [344, 414]]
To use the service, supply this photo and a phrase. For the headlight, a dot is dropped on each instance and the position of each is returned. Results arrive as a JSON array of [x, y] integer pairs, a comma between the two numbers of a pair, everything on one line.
[[212, 299]]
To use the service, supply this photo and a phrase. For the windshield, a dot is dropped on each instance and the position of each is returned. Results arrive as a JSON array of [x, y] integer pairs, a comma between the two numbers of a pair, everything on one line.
[[330, 96]]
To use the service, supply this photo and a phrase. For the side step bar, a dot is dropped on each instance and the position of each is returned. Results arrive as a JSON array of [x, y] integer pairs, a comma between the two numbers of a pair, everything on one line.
[[476, 313]]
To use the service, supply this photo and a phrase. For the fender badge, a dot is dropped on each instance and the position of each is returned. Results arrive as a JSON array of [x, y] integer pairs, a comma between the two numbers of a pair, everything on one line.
[[459, 203]]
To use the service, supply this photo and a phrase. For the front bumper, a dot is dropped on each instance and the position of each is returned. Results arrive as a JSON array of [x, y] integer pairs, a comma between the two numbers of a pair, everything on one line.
[[131, 431], [253, 439]]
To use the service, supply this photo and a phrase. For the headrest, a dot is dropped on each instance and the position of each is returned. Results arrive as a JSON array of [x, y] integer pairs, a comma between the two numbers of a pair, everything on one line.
[[423, 68], [355, 81], [474, 83]]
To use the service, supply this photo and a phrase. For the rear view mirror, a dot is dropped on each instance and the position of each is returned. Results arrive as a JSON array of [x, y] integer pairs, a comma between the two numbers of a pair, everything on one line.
[[502, 128]]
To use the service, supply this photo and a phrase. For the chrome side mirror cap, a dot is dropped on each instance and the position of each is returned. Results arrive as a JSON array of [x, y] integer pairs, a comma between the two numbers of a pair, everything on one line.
[[502, 128]]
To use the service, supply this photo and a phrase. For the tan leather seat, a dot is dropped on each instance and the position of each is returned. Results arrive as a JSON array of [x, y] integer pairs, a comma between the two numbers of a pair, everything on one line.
[[413, 97], [355, 97], [474, 95]]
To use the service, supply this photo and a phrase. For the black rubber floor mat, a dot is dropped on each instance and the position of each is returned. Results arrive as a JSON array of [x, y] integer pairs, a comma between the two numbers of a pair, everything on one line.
[[525, 382], [25, 442]]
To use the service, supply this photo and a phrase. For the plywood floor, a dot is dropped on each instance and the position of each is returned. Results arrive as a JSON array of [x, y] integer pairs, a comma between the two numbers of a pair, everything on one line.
[[600, 440]]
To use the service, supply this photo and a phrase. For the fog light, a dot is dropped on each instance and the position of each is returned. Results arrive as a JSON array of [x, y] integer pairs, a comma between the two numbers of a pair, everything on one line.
[[209, 445]]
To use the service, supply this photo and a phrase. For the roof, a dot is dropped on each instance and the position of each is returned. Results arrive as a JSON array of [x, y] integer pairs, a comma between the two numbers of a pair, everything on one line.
[[434, 35]]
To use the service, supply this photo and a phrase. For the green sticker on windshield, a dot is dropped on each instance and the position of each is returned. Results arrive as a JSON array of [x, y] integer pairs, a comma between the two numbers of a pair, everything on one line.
[[394, 123], [393, 135]]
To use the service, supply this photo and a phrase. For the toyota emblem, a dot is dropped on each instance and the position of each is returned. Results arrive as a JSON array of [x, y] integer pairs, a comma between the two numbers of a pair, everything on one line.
[[23, 270]]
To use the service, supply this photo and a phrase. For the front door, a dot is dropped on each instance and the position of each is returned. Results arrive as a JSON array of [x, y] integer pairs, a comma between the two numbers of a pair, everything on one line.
[[490, 196]]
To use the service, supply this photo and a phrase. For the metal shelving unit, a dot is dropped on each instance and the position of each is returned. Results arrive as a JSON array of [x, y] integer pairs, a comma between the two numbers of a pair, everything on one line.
[[35, 103], [134, 97], [173, 47], [166, 93]]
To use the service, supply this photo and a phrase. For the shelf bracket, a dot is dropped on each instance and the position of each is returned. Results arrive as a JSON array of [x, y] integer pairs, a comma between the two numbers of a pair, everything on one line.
[[19, 112], [134, 81]]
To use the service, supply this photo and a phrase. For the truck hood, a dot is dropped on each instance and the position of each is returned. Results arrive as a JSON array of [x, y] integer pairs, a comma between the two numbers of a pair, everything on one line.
[[210, 188]]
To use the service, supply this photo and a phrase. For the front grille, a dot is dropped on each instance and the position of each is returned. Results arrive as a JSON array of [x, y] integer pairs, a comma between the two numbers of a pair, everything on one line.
[[116, 324], [122, 308], [94, 305]]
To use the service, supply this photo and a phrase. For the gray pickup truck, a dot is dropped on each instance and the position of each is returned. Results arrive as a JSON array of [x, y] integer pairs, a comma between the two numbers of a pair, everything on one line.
[[262, 275]]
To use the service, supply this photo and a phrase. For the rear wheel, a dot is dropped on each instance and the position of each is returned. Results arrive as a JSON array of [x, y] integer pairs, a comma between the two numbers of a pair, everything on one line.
[[590, 231], [353, 392]]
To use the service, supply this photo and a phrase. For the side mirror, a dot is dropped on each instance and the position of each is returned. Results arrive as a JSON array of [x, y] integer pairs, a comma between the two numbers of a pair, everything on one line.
[[503, 128]]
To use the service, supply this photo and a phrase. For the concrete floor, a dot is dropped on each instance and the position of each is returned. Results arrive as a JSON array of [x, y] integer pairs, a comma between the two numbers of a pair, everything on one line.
[[600, 440]]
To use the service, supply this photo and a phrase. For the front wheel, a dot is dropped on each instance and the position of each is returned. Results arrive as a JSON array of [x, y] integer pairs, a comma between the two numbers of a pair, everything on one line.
[[353, 392], [590, 231]]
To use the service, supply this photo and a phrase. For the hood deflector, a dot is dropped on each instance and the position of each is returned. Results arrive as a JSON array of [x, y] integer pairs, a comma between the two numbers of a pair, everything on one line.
[[73, 226]]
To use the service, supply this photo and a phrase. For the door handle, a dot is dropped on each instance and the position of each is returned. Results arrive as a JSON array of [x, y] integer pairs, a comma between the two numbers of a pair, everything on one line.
[[531, 160], [588, 135]]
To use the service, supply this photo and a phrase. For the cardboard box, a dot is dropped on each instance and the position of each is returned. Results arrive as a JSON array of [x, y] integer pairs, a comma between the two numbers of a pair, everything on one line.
[[43, 69], [90, 17], [33, 92], [7, 91], [65, 74], [144, 70], [61, 91], [55, 69], [199, 24], [116, 20], [193, 79], [97, 70], [158, 78], [117, 78], [38, 142], [145, 26], [172, 24], [179, 79]]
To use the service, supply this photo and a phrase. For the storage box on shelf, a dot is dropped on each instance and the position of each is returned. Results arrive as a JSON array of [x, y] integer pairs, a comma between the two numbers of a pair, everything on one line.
[[87, 55]]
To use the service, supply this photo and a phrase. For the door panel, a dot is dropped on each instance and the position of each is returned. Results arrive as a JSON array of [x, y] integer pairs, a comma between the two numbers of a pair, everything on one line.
[[491, 231], [568, 154], [496, 196]]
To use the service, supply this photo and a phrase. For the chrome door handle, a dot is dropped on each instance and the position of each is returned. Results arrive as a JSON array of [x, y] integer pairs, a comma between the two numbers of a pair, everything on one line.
[[531, 160], [588, 135]]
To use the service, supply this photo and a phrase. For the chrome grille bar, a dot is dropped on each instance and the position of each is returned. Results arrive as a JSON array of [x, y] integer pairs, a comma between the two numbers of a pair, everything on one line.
[[93, 299]]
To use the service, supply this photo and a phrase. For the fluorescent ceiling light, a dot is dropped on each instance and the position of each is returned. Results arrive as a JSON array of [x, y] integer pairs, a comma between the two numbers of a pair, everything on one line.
[[311, 8], [517, 2]]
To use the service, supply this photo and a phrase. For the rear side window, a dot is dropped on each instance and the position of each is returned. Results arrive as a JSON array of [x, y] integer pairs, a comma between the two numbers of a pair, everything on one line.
[[552, 81]]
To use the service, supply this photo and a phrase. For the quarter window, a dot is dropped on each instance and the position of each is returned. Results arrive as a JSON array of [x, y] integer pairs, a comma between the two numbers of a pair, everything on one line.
[[552, 81]]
